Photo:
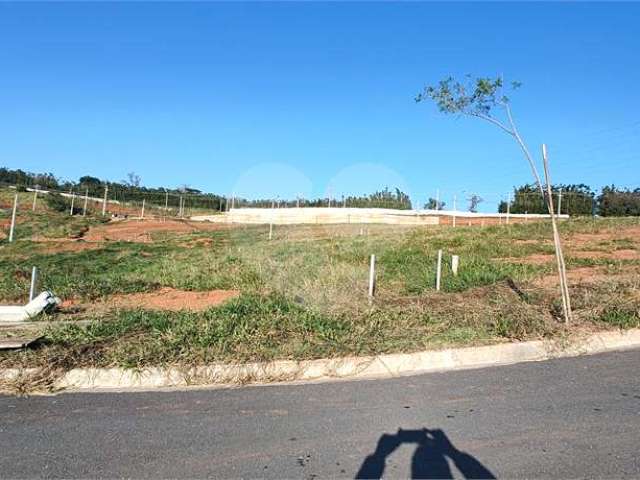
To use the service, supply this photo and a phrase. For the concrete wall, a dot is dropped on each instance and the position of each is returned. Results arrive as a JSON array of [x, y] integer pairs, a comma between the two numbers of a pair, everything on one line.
[[322, 215]]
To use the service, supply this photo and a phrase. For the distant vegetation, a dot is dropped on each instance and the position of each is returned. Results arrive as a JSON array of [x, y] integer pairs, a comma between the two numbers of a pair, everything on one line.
[[131, 189], [578, 199]]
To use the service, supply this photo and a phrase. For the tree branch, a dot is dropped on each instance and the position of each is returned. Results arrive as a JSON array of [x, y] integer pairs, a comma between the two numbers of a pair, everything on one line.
[[524, 149], [492, 120]]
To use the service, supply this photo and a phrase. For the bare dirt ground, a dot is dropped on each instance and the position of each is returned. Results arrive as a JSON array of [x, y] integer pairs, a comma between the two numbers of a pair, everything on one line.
[[626, 254], [142, 230], [164, 299], [588, 246], [630, 232], [171, 299]]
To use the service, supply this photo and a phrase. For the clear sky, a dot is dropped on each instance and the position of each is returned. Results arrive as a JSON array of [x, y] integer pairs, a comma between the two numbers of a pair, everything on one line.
[[281, 99]]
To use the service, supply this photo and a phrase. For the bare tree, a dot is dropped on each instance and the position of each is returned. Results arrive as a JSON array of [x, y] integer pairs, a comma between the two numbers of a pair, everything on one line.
[[133, 180], [474, 200]]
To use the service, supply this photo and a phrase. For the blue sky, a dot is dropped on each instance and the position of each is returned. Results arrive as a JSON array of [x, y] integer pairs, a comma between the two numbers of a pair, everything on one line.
[[281, 99]]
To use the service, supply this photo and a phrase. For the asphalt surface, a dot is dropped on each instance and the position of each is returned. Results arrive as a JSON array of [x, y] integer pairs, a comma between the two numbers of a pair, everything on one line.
[[565, 418]]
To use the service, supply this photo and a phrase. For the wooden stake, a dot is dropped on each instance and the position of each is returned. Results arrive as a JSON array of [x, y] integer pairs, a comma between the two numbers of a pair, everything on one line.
[[13, 218], [562, 273], [86, 199], [455, 262], [438, 270], [73, 199], [142, 212], [35, 198], [34, 279], [372, 278], [104, 202]]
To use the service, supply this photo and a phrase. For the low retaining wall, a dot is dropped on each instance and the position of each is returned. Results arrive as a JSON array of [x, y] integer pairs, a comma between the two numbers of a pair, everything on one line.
[[325, 215]]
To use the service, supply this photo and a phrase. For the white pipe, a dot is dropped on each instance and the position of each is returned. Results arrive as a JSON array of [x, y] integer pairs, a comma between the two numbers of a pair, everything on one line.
[[43, 302]]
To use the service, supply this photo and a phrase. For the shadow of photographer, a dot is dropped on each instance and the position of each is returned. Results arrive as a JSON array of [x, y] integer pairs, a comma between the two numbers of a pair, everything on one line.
[[429, 460]]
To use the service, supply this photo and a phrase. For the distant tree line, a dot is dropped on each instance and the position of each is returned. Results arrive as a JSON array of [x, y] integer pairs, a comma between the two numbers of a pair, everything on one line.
[[129, 190], [386, 198], [576, 200], [132, 190]]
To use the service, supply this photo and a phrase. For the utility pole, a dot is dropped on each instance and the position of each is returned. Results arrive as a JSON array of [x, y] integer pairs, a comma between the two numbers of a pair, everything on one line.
[[454, 210]]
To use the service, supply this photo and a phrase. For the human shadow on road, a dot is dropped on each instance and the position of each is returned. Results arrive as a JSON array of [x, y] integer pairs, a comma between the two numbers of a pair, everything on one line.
[[429, 459]]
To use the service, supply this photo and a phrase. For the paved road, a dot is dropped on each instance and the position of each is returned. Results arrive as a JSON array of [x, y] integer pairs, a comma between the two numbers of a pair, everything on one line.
[[565, 418]]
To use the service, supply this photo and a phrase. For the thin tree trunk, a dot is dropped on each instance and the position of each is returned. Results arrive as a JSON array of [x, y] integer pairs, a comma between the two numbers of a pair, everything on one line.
[[562, 272]]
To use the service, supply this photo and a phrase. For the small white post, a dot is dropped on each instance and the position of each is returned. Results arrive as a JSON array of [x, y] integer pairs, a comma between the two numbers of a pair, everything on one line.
[[181, 206], [104, 201], [86, 199], [73, 200], [454, 210], [270, 230], [13, 218], [35, 199], [142, 212], [455, 262], [508, 206], [372, 277], [34, 279], [559, 202], [438, 270]]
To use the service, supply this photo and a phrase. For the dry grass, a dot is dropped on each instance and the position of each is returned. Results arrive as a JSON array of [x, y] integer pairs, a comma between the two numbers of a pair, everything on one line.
[[304, 293]]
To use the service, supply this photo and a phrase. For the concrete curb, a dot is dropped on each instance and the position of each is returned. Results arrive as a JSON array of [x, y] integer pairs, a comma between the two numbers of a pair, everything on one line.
[[349, 368]]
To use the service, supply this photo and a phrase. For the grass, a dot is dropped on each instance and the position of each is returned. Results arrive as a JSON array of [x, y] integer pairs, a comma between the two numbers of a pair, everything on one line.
[[304, 294]]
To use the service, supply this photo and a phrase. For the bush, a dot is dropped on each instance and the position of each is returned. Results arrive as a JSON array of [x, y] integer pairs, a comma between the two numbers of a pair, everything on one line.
[[57, 202]]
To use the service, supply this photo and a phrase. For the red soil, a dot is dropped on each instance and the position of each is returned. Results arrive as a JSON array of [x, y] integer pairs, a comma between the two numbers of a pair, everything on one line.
[[142, 230]]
